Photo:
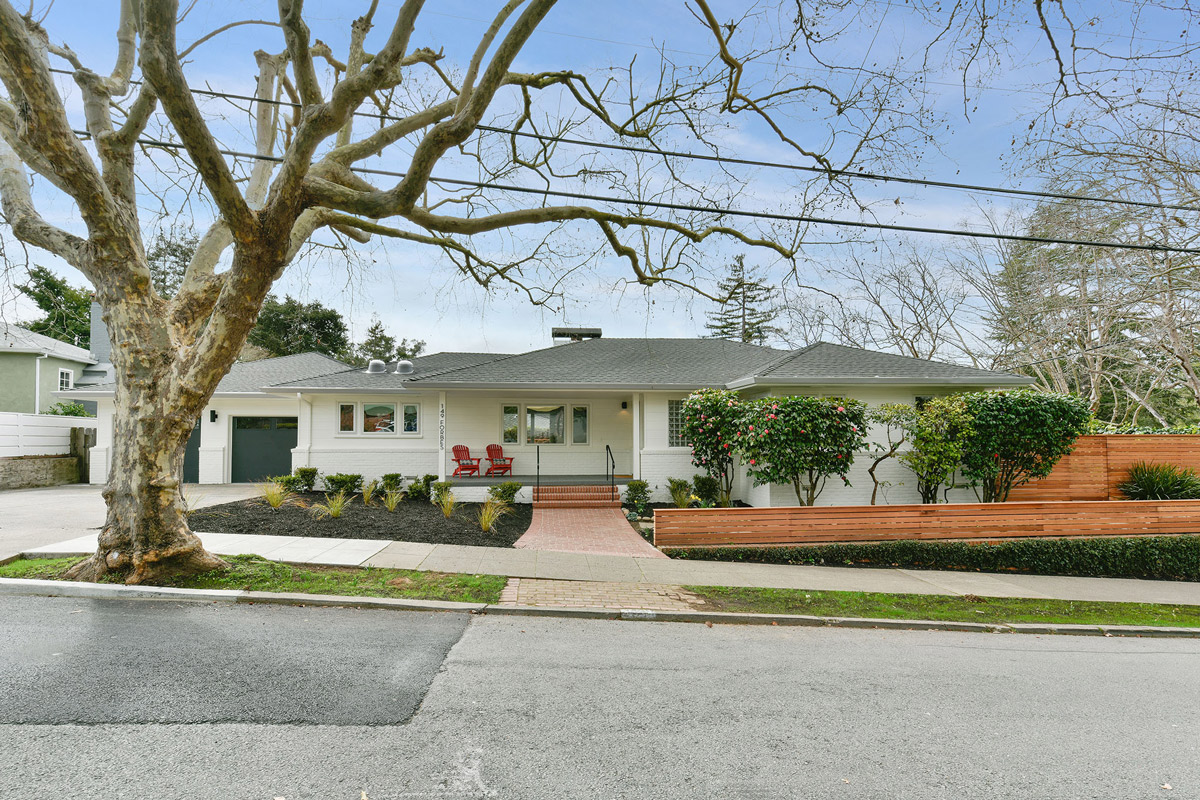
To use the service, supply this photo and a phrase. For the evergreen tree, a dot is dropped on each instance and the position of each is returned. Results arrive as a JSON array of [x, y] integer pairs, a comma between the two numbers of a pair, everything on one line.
[[66, 309], [746, 313], [289, 327], [168, 256], [379, 344]]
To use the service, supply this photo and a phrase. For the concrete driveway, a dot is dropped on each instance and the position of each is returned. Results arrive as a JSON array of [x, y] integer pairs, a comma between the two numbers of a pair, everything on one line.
[[37, 517]]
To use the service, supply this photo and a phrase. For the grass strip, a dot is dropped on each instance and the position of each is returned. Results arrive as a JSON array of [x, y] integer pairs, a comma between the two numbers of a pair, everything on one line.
[[257, 574], [948, 608]]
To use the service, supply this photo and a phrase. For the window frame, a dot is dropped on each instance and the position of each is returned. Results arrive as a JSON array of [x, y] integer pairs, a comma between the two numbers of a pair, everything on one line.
[[587, 431], [679, 420], [517, 442], [551, 405], [70, 373], [522, 408], [359, 412]]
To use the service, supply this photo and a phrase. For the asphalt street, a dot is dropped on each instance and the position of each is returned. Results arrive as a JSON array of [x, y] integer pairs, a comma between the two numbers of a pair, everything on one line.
[[150, 699]]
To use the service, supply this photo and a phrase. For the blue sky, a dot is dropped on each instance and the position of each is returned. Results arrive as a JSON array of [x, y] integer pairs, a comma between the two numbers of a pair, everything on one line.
[[418, 295]]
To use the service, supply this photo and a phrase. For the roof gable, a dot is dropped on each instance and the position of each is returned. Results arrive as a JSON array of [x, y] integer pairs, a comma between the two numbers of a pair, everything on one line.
[[14, 338]]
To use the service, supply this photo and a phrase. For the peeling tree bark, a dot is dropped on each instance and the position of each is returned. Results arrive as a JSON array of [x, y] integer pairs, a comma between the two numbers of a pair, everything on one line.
[[169, 354]]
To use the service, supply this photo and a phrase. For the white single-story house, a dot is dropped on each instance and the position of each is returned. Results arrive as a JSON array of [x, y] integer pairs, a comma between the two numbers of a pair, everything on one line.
[[560, 412]]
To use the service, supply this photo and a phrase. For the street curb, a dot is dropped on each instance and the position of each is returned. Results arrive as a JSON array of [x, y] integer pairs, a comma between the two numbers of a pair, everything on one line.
[[29, 587]]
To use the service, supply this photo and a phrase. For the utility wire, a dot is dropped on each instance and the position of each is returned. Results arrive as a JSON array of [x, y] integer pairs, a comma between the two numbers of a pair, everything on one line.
[[746, 162], [799, 218]]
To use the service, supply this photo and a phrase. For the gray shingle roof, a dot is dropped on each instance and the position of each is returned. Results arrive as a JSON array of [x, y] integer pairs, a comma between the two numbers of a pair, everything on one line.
[[833, 363], [252, 376], [616, 362], [14, 338], [612, 363], [356, 377]]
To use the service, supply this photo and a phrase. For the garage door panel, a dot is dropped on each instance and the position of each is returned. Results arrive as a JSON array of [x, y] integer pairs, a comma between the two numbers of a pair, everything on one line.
[[262, 447]]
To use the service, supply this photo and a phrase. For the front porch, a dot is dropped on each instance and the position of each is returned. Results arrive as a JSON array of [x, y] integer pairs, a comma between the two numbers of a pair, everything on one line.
[[579, 479]]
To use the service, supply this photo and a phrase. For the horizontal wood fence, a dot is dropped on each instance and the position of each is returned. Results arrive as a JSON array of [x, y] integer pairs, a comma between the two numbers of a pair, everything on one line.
[[1099, 464], [38, 434], [734, 527]]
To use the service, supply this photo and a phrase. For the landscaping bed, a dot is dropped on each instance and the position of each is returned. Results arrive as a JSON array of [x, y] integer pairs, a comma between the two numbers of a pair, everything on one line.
[[416, 521]]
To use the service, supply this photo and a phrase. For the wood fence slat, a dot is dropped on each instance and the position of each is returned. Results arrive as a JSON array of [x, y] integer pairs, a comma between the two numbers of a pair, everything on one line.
[[965, 521]]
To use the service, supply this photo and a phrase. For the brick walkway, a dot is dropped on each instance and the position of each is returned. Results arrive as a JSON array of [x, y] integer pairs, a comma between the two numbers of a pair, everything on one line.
[[597, 594], [599, 531]]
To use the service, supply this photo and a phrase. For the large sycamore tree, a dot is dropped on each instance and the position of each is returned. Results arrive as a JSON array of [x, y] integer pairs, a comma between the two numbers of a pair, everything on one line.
[[795, 73]]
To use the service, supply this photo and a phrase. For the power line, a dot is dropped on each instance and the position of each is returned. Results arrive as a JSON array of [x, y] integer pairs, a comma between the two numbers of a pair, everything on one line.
[[767, 215], [840, 173]]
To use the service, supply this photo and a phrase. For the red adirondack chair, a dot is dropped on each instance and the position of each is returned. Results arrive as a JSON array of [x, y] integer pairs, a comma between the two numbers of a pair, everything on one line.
[[466, 465], [497, 463]]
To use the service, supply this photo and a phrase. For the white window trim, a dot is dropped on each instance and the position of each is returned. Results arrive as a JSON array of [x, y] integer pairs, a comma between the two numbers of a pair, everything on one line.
[[670, 444], [520, 426], [70, 373], [571, 422], [419, 432], [523, 416], [359, 433]]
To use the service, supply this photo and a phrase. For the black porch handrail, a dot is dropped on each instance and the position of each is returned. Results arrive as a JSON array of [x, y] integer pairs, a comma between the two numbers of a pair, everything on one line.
[[610, 470]]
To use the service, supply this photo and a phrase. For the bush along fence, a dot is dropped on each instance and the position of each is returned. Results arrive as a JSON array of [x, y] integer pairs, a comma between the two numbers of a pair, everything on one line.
[[1167, 558], [708, 527]]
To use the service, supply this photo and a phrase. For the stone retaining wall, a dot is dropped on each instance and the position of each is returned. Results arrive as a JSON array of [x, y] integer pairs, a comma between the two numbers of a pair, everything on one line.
[[25, 472]]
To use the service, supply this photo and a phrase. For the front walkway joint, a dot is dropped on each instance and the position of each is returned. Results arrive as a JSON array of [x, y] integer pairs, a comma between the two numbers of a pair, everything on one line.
[[598, 594]]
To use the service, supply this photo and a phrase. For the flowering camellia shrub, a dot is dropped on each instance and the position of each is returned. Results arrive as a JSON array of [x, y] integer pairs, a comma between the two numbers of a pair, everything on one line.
[[710, 423], [800, 441]]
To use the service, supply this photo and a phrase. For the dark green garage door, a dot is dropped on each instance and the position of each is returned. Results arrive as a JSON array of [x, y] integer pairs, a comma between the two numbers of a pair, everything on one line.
[[191, 457], [262, 447]]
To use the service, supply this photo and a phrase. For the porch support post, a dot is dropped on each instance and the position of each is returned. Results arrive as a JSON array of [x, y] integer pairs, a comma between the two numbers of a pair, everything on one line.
[[441, 436], [637, 436]]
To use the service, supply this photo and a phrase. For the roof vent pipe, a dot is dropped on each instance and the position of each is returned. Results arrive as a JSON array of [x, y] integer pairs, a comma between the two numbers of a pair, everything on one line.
[[404, 367], [376, 367]]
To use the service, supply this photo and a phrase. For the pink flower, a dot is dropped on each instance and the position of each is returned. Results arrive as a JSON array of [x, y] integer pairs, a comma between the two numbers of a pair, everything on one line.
[[839, 455], [840, 409], [765, 433], [751, 427], [727, 445], [775, 406], [752, 461], [853, 428]]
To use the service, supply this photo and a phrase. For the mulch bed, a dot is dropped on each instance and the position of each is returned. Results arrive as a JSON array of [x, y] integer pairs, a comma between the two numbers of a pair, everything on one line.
[[410, 522]]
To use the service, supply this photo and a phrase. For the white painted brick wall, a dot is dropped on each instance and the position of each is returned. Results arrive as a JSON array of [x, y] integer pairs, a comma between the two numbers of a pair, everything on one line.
[[370, 464], [658, 465]]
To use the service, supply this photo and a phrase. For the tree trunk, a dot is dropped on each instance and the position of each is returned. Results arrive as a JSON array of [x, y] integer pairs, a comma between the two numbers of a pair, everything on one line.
[[145, 536]]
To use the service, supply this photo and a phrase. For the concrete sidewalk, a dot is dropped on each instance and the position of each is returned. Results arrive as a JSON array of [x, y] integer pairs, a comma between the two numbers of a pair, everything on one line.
[[34, 517], [661, 571]]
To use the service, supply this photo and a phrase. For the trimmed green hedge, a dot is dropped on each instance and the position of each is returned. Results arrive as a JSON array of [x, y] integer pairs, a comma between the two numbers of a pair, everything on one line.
[[1171, 558]]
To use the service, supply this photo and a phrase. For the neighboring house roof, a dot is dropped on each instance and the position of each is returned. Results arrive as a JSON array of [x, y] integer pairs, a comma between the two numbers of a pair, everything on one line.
[[15, 339], [357, 378], [250, 376], [825, 363]]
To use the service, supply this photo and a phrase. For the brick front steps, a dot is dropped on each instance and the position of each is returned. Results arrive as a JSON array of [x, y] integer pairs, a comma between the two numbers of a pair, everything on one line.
[[576, 497]]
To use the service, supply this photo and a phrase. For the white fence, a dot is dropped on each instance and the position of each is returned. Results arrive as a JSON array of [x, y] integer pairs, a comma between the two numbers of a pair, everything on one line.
[[38, 434]]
